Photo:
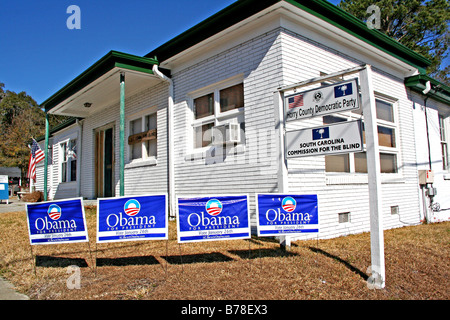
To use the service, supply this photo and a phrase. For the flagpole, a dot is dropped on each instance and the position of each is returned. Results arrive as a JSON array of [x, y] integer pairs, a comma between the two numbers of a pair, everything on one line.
[[30, 171]]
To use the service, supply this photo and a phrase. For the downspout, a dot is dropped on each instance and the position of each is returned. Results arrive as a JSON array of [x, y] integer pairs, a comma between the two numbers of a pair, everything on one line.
[[427, 190], [171, 166], [425, 92], [47, 133], [79, 156]]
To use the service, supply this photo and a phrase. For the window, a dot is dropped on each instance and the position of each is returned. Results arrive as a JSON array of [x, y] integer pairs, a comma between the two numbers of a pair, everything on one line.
[[339, 162], [142, 138], [217, 105], [394, 210], [232, 98], [387, 140], [344, 217], [68, 158], [444, 144]]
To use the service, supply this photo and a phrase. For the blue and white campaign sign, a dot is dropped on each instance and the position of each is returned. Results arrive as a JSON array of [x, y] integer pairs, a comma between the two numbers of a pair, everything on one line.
[[338, 97], [132, 218], [57, 222], [213, 218], [282, 214]]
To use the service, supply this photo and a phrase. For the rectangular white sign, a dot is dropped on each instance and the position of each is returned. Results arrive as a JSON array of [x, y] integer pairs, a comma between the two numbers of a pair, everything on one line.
[[342, 137], [338, 97]]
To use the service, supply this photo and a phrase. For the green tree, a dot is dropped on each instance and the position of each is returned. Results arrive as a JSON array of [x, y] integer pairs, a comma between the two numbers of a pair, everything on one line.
[[21, 119], [422, 26]]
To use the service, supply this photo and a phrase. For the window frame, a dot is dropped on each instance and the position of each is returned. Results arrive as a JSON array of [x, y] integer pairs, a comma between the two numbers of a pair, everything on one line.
[[145, 157], [218, 117], [65, 175], [395, 127], [443, 137], [351, 116]]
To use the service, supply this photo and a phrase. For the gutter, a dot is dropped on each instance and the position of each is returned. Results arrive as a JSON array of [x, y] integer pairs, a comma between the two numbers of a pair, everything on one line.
[[429, 87], [243, 9], [170, 147]]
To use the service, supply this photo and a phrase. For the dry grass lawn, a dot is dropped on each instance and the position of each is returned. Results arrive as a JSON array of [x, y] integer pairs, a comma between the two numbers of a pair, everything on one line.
[[417, 266]]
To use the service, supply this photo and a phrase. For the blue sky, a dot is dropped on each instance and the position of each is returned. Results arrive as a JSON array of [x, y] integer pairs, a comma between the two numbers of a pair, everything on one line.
[[39, 54]]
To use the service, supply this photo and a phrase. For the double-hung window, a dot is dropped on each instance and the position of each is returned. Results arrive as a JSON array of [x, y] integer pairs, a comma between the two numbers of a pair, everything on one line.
[[142, 138], [444, 143], [387, 140], [68, 160], [217, 105]]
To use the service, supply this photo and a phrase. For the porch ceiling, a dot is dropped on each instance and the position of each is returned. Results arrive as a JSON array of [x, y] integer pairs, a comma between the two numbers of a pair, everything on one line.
[[100, 85]]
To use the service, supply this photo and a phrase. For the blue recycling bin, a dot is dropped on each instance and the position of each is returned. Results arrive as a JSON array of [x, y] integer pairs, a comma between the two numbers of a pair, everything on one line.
[[4, 189]]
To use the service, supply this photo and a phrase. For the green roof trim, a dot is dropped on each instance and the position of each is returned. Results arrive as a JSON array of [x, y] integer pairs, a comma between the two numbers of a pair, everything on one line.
[[67, 123], [354, 26], [234, 13], [243, 9], [439, 91], [113, 59]]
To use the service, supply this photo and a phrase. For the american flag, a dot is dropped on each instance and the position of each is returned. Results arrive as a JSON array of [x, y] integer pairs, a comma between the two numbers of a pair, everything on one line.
[[36, 156], [296, 101]]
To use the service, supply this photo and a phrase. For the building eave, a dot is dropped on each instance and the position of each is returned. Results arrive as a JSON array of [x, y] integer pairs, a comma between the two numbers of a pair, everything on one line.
[[111, 60], [438, 91], [322, 9], [67, 123]]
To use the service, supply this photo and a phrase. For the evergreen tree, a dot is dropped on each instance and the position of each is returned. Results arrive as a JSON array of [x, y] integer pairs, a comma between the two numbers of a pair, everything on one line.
[[422, 26]]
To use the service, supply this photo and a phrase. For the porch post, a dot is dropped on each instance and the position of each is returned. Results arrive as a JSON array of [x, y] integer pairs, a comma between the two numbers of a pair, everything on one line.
[[47, 132], [122, 135]]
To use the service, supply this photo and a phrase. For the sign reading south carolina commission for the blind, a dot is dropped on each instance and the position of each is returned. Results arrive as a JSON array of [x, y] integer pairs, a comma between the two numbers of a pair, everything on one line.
[[324, 100], [342, 137]]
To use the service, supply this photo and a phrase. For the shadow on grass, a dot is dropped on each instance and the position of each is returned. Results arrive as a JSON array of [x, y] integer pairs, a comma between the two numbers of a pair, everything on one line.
[[263, 253], [345, 263], [59, 262], [127, 261], [197, 258], [262, 240]]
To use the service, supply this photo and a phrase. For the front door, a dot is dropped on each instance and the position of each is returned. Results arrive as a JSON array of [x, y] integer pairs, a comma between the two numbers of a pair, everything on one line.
[[104, 163]]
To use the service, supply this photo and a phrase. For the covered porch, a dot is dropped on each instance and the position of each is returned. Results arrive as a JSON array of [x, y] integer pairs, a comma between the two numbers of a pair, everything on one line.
[[110, 81]]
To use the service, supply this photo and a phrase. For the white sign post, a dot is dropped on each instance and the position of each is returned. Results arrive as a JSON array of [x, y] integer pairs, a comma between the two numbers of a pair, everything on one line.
[[377, 279], [295, 109]]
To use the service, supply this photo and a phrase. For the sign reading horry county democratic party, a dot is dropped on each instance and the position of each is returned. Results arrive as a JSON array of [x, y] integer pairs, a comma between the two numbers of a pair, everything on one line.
[[282, 214], [324, 100], [341, 137], [57, 222], [213, 218], [132, 218]]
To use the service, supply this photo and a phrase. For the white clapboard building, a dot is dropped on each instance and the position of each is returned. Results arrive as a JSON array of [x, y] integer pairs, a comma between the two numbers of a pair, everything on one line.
[[201, 115]]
